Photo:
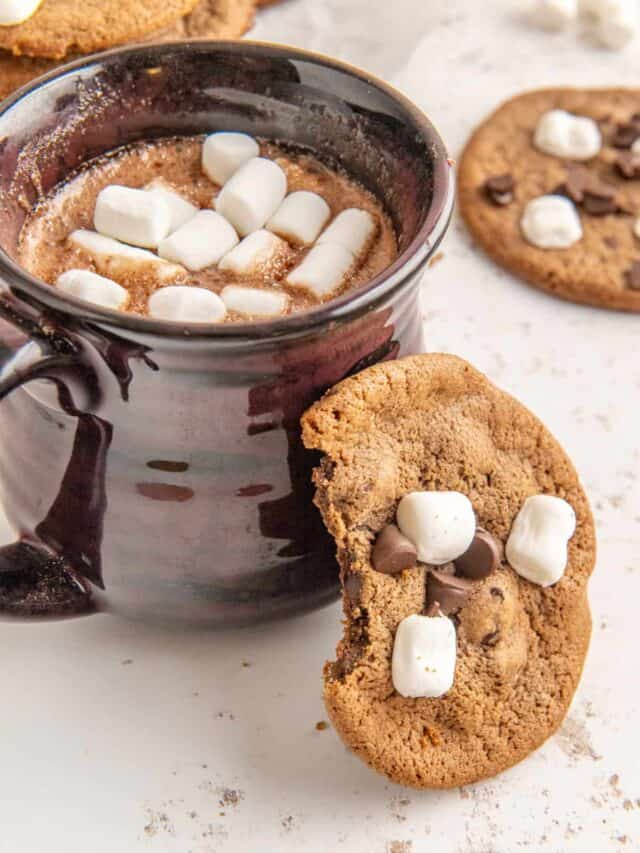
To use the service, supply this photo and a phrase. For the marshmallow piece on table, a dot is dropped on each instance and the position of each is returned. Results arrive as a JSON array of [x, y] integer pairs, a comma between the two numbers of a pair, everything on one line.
[[223, 153], [201, 242], [322, 271], [616, 22], [423, 664], [180, 210], [254, 301], [554, 14], [441, 525], [253, 252], [132, 216], [537, 545], [94, 288], [119, 260], [252, 195], [551, 222], [300, 218], [183, 304], [352, 229], [563, 134], [14, 12]]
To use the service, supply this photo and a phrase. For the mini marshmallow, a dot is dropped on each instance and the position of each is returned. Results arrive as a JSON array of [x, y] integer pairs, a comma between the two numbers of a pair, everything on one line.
[[537, 545], [201, 242], [180, 210], [551, 222], [352, 229], [563, 134], [440, 524], [253, 253], [254, 301], [223, 154], [182, 304], [133, 216], [424, 656], [14, 12], [323, 270], [118, 260], [554, 14], [252, 195], [300, 218], [86, 285], [616, 22]]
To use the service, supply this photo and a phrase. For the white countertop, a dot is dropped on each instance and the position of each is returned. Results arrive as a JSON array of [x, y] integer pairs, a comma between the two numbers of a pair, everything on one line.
[[115, 737]]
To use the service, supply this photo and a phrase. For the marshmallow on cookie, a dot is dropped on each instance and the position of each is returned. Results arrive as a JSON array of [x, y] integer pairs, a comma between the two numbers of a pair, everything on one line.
[[14, 12]]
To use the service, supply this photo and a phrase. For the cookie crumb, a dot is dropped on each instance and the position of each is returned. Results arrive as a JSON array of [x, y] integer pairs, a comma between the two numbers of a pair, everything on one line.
[[322, 726]]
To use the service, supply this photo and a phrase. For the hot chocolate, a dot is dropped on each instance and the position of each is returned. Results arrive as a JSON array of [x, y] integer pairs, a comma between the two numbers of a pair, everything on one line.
[[220, 229]]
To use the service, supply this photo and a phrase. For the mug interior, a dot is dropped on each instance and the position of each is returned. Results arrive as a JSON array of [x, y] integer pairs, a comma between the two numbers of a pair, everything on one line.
[[144, 93]]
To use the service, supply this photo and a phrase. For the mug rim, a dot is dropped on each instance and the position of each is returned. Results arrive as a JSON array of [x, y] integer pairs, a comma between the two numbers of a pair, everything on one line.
[[415, 255]]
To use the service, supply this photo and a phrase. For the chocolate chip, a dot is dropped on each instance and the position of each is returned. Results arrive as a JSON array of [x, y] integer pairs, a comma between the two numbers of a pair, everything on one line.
[[628, 164], [626, 134], [500, 189], [352, 584], [599, 206], [449, 591], [481, 558], [586, 188], [393, 552], [433, 609], [633, 276], [497, 592]]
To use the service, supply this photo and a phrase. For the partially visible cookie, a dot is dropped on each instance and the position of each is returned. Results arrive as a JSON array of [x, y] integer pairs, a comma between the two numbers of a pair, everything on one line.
[[598, 268], [223, 19], [62, 27], [210, 19], [435, 423]]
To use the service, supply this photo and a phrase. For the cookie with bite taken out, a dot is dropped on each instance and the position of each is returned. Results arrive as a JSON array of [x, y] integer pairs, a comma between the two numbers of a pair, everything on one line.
[[454, 670]]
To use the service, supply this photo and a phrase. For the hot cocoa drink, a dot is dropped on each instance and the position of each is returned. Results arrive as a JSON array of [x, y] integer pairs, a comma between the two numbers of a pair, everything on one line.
[[217, 229]]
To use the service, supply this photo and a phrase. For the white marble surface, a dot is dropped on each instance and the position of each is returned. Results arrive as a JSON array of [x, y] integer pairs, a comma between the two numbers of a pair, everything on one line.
[[114, 737]]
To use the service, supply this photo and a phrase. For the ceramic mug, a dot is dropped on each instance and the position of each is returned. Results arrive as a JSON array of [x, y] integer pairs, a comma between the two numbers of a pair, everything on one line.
[[153, 469]]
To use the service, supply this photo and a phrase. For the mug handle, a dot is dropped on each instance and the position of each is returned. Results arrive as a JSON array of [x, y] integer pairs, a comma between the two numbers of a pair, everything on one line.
[[33, 582]]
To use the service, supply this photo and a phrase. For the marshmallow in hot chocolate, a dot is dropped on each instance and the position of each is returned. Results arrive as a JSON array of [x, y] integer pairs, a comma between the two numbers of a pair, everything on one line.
[[266, 231]]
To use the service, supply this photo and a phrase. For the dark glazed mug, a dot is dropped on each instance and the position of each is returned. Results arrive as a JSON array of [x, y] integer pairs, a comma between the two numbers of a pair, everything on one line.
[[153, 469]]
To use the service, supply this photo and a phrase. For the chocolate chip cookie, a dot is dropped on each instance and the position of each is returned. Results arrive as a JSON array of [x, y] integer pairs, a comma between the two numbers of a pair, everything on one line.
[[62, 27], [502, 170], [435, 423]]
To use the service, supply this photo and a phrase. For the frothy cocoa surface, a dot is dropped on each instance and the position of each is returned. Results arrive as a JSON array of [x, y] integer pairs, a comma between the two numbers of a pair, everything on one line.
[[46, 252]]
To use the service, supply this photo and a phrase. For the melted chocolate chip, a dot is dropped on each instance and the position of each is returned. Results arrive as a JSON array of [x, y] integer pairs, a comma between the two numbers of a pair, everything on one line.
[[482, 557], [352, 588], [586, 188], [393, 552], [628, 164], [449, 591], [497, 592], [625, 135], [500, 189], [633, 276]]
